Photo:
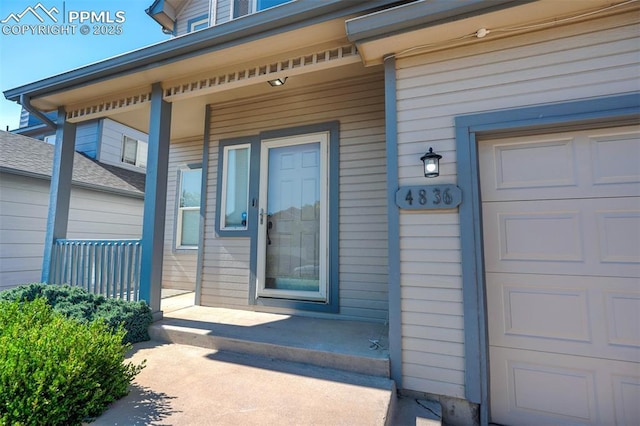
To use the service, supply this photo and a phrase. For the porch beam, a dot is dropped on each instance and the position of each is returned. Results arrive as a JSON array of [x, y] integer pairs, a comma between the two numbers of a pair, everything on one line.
[[155, 197], [60, 190]]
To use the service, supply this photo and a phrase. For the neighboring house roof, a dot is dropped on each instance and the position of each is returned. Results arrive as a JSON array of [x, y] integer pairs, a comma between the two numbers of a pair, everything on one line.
[[31, 157]]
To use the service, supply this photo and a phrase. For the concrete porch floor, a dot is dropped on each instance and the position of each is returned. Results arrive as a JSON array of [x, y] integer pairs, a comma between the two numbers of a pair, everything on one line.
[[355, 346], [196, 385]]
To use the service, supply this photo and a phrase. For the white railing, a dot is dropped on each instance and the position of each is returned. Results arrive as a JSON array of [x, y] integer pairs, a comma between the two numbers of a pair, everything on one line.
[[107, 267]]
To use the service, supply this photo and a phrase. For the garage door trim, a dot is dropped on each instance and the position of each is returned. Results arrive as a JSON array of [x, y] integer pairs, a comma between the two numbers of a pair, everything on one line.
[[601, 112]]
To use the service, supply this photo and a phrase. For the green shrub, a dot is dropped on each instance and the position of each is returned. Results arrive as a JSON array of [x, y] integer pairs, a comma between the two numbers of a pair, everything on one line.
[[77, 303], [55, 370]]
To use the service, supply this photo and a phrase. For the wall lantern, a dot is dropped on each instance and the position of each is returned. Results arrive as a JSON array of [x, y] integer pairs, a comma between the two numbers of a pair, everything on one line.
[[431, 162], [278, 81]]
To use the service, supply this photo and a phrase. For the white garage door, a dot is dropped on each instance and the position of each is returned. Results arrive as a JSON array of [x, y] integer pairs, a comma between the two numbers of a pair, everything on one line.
[[561, 223]]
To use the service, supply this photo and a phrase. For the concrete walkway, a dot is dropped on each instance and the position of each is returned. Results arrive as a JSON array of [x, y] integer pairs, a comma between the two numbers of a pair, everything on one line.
[[186, 385], [193, 385]]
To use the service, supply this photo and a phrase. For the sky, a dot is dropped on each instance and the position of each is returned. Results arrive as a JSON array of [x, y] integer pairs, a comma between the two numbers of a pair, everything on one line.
[[33, 49]]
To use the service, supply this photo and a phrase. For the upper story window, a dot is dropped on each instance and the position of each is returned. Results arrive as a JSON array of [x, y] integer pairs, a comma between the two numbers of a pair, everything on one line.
[[199, 23], [245, 7], [134, 152]]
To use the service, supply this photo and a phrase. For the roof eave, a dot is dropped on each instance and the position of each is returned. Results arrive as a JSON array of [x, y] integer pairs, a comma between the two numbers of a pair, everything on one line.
[[164, 14], [289, 16], [75, 183], [410, 16]]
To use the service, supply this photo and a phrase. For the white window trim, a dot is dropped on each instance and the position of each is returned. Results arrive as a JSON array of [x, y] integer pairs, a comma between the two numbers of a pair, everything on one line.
[[137, 162], [179, 215], [192, 25], [223, 192], [179, 246], [213, 11], [253, 8]]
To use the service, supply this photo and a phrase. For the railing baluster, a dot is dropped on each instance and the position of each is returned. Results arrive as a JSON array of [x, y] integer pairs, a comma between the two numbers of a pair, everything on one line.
[[136, 271], [65, 265], [121, 260], [107, 267], [72, 264]]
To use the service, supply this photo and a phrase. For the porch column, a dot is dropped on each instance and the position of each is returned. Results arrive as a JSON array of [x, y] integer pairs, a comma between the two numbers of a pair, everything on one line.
[[60, 190], [155, 200]]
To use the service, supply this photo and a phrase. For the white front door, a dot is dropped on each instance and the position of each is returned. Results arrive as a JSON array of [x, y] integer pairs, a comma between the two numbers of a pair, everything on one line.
[[561, 218], [292, 221]]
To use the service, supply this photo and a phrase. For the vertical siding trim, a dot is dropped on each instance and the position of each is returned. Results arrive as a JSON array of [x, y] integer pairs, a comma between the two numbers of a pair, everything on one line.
[[475, 344], [99, 133], [213, 14], [393, 227], [203, 203], [609, 111]]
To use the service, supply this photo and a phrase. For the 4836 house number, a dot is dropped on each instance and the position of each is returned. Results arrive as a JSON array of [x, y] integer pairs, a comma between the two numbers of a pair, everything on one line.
[[446, 196]]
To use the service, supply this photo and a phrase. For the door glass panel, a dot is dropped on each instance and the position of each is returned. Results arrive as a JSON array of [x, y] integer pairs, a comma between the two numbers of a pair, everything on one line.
[[293, 219]]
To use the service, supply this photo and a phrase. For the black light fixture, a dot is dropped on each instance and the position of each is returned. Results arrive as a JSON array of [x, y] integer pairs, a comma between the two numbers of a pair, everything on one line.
[[431, 162], [278, 81]]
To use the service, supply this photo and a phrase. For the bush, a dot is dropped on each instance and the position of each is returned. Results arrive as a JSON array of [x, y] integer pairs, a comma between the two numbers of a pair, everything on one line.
[[56, 370], [74, 302]]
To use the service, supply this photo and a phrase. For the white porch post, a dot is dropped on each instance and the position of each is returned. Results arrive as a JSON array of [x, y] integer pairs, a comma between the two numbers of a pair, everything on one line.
[[60, 190], [155, 200]]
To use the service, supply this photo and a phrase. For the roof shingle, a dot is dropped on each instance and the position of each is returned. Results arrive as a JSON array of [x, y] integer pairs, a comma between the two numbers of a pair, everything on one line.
[[27, 155]]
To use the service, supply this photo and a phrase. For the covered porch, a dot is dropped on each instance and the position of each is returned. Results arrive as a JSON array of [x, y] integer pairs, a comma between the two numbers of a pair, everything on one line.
[[171, 107], [209, 90]]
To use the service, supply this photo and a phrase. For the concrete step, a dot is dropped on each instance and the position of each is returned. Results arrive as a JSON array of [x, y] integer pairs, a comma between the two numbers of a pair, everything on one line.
[[283, 341], [189, 385]]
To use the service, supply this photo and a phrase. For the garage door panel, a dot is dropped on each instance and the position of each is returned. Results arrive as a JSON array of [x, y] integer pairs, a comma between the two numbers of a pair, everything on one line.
[[626, 395], [615, 158], [531, 388], [619, 233], [561, 231], [518, 165], [593, 163], [575, 237], [565, 314], [532, 311], [623, 319]]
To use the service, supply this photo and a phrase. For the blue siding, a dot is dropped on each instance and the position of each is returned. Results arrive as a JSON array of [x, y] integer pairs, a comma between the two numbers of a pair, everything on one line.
[[87, 138], [194, 10]]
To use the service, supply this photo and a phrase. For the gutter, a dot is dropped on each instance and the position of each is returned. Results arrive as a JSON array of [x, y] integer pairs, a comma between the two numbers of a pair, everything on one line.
[[418, 15], [26, 103], [294, 15]]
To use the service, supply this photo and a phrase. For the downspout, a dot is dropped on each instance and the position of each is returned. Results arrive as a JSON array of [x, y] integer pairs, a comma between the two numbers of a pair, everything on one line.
[[26, 103]]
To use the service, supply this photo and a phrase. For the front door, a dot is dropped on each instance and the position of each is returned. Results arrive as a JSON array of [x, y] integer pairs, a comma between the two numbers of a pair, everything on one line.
[[292, 221]]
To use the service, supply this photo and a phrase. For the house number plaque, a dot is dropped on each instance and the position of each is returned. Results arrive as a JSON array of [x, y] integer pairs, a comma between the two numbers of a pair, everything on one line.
[[428, 197]]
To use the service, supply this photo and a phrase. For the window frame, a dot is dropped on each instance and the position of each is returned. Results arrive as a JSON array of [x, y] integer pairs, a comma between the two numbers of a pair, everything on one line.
[[253, 144], [195, 24], [225, 182], [179, 216], [253, 8], [136, 162]]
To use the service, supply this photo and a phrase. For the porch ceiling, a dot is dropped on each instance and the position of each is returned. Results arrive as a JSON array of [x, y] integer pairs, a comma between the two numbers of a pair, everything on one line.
[[187, 117], [126, 98]]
